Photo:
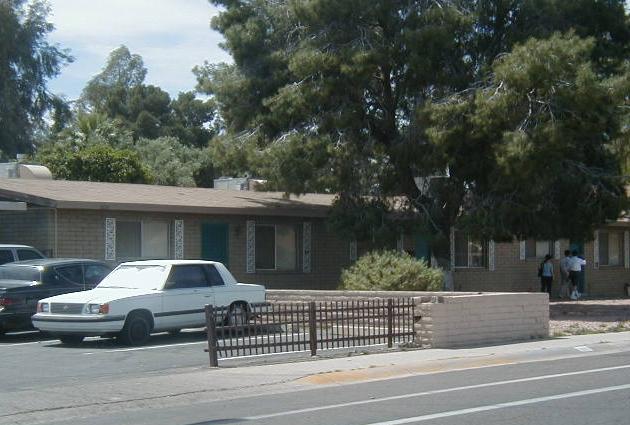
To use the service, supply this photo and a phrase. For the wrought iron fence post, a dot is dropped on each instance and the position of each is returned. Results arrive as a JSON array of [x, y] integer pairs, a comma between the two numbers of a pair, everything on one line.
[[390, 322], [211, 329], [312, 327]]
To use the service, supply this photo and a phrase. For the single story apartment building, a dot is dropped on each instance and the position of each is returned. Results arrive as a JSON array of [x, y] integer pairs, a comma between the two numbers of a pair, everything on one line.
[[266, 237]]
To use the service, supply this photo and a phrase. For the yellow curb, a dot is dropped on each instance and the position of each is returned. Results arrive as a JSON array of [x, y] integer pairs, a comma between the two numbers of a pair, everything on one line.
[[382, 372]]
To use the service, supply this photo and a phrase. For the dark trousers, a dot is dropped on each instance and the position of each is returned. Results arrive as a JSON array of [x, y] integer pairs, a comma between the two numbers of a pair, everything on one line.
[[545, 284], [574, 277]]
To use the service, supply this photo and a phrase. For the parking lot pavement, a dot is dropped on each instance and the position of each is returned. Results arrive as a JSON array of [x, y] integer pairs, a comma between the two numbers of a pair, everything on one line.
[[242, 377]]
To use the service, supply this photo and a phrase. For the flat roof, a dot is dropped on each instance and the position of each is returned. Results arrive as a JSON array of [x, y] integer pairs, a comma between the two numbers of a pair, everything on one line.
[[65, 194]]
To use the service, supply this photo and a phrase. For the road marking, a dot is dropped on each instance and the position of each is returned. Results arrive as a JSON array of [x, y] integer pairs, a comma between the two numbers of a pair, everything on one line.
[[583, 348], [151, 347], [501, 405], [423, 393]]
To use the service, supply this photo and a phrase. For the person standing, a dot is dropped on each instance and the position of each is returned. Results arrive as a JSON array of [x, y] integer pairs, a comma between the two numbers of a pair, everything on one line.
[[546, 276], [575, 268], [564, 275]]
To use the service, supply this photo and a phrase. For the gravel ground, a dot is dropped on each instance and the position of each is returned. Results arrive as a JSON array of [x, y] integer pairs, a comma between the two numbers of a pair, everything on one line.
[[589, 316]]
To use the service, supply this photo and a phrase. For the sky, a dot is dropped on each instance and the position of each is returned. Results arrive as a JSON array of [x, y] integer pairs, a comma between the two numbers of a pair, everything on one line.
[[172, 36]]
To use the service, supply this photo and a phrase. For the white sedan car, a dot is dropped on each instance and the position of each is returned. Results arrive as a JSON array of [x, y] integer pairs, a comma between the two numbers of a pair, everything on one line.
[[141, 297]]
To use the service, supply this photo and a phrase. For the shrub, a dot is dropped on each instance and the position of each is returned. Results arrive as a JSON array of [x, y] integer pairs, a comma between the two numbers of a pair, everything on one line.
[[391, 271]]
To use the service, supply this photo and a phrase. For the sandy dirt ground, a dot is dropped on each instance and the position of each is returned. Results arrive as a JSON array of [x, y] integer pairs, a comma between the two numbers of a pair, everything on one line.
[[589, 316]]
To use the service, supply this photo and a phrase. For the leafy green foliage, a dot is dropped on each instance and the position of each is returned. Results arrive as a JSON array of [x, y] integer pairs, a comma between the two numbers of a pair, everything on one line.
[[363, 98], [123, 72], [170, 162], [537, 139], [27, 61], [96, 163], [391, 271]]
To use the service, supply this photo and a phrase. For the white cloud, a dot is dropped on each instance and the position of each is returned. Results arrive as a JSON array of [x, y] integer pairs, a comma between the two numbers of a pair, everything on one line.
[[171, 36]]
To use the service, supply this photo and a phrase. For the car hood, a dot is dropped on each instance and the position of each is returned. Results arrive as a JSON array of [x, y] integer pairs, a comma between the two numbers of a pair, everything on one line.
[[98, 295], [11, 283]]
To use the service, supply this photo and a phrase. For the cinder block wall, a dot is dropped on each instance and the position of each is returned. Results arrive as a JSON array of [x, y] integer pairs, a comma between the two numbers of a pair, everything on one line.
[[450, 321], [444, 319]]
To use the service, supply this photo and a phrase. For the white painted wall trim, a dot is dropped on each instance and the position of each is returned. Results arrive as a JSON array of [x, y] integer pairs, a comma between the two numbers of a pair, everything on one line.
[[306, 247], [179, 240], [452, 247], [110, 239], [353, 251], [626, 250], [596, 250], [251, 246]]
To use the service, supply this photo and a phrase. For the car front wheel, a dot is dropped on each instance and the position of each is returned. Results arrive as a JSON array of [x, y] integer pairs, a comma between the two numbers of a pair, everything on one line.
[[136, 331]]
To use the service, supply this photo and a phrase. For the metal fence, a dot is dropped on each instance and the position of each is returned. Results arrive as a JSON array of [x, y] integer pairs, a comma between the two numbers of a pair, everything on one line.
[[312, 326]]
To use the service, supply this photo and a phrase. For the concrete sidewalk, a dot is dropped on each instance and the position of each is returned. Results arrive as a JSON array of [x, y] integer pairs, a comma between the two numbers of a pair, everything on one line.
[[195, 385]]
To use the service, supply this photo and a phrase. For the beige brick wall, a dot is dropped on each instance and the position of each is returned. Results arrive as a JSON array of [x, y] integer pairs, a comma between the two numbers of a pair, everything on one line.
[[81, 233], [512, 274], [34, 227], [451, 321], [443, 319]]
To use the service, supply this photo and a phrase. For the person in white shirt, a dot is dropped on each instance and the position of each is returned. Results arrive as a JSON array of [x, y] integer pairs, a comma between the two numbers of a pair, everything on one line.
[[575, 267]]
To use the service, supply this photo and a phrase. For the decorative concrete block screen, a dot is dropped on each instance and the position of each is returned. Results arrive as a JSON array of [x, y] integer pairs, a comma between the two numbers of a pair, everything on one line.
[[451, 319]]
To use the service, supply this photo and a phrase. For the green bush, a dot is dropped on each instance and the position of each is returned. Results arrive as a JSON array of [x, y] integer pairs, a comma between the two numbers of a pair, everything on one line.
[[391, 271]]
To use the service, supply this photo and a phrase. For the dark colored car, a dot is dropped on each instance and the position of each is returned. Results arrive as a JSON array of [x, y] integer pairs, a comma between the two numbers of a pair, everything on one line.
[[24, 283], [11, 253]]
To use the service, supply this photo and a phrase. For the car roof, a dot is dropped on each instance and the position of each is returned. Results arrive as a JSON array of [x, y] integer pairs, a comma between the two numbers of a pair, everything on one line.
[[54, 262], [166, 262], [6, 245]]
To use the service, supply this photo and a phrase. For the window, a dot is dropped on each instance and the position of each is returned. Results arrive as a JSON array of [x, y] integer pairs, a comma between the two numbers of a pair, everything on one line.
[[27, 254], [94, 274], [190, 276], [142, 239], [214, 277], [69, 274], [610, 248], [537, 249], [469, 252], [276, 247], [6, 256]]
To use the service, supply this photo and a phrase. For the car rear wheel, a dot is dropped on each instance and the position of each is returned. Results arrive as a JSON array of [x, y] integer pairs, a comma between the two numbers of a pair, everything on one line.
[[136, 331], [70, 339]]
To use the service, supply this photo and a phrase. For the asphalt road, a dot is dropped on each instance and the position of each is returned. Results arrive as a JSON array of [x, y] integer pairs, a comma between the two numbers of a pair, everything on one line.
[[33, 359], [593, 388]]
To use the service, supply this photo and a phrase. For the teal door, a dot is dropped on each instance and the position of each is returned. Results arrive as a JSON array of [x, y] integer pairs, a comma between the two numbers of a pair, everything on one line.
[[422, 249], [215, 242]]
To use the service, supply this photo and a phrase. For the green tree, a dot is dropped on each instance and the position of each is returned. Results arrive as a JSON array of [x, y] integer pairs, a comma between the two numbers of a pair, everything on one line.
[[170, 162], [123, 72], [27, 61], [96, 163], [344, 96]]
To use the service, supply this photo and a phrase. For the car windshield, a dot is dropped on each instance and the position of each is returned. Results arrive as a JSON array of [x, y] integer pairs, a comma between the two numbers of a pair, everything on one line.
[[135, 277], [20, 273]]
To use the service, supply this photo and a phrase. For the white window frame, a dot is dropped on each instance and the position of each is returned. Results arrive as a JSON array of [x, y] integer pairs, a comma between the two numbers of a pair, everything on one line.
[[485, 252], [621, 245], [143, 225], [296, 248], [537, 254]]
